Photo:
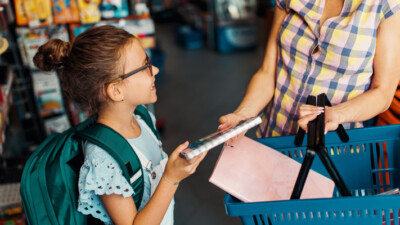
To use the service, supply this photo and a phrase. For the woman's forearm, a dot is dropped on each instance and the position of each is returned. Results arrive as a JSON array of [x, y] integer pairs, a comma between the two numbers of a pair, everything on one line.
[[364, 106], [258, 93]]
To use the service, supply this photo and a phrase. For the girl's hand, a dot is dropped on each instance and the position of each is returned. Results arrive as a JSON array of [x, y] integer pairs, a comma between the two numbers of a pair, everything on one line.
[[230, 120], [178, 168], [308, 113]]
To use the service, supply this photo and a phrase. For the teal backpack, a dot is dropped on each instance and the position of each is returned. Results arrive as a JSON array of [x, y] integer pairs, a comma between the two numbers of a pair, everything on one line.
[[49, 184]]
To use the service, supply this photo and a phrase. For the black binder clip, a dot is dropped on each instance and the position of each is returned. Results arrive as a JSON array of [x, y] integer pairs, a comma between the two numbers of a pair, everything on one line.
[[316, 145]]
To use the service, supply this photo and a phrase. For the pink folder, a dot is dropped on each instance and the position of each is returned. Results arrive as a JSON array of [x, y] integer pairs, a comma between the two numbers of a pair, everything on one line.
[[253, 172]]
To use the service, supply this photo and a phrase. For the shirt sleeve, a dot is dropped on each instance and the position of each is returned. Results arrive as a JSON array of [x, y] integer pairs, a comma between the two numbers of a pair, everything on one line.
[[100, 174], [282, 4], [389, 8]]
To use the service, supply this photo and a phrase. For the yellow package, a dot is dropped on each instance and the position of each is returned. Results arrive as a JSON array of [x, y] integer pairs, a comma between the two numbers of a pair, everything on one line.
[[89, 10], [38, 12], [20, 14]]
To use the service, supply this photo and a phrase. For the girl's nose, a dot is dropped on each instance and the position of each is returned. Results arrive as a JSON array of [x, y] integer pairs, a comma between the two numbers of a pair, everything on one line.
[[155, 70]]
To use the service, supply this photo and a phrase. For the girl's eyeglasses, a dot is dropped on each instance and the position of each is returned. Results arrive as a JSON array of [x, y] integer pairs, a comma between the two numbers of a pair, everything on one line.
[[147, 65]]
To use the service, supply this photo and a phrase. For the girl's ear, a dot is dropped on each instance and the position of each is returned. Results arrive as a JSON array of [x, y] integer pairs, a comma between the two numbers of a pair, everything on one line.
[[114, 92]]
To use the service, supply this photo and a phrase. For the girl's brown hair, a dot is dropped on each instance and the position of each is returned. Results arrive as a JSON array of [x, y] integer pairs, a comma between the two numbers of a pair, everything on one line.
[[87, 65]]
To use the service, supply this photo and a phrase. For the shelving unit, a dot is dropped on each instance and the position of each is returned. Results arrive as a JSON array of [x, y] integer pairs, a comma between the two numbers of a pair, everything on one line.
[[235, 24], [20, 118], [6, 80]]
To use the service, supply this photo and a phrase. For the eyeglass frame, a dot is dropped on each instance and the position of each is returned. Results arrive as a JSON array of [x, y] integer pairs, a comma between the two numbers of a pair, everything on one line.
[[147, 65]]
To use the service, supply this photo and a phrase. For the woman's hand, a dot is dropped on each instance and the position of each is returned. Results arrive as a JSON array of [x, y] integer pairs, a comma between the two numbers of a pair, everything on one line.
[[308, 113], [230, 120], [178, 168]]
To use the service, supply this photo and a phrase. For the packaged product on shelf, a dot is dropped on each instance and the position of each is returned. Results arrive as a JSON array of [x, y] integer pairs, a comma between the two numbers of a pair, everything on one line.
[[38, 12], [48, 94], [147, 41], [20, 14], [77, 113], [235, 10], [56, 124], [114, 9], [6, 80], [143, 29], [138, 26], [89, 11], [65, 11], [236, 25], [29, 41], [138, 7]]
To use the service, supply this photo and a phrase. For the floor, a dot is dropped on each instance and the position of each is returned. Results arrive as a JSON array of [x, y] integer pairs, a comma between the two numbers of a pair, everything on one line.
[[195, 89]]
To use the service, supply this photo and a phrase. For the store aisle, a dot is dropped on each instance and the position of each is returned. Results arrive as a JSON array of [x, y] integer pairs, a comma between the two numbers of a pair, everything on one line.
[[196, 88]]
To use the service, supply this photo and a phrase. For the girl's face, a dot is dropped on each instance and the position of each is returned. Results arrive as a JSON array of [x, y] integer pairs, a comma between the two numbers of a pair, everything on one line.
[[139, 75]]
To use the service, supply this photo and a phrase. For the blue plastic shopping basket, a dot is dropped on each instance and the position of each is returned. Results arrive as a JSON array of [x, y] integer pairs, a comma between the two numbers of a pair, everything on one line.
[[369, 164]]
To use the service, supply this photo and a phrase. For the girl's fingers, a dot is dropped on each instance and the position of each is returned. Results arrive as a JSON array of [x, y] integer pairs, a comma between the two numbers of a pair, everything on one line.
[[196, 160], [180, 148]]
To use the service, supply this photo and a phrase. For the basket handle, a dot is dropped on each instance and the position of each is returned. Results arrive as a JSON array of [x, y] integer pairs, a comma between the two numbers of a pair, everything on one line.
[[298, 141], [316, 146]]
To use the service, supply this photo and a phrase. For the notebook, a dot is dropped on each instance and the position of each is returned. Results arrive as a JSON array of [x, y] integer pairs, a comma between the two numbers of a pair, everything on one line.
[[206, 143], [253, 172]]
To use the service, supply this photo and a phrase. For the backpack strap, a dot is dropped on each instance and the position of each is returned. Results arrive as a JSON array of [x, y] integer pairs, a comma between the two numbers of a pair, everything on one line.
[[119, 148]]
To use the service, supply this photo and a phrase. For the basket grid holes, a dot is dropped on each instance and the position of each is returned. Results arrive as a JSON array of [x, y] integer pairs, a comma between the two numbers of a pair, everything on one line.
[[333, 150], [326, 215], [378, 162]]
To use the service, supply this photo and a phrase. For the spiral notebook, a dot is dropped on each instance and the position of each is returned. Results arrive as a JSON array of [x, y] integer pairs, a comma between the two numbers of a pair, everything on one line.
[[253, 172], [217, 138]]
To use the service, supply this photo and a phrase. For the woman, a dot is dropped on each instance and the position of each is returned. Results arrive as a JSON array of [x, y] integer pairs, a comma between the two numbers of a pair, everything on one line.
[[346, 49]]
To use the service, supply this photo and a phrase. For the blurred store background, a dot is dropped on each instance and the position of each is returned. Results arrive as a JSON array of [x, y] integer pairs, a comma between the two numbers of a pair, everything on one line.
[[206, 50]]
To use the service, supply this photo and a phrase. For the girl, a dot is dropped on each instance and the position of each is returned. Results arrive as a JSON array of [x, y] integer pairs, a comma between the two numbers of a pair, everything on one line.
[[107, 70]]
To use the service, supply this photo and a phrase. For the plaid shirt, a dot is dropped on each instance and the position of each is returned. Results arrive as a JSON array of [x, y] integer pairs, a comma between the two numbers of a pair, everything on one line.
[[335, 58]]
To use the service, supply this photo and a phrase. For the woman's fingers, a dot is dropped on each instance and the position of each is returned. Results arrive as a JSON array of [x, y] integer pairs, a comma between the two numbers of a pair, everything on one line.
[[303, 121], [237, 137], [308, 113], [227, 119], [230, 119], [309, 109]]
